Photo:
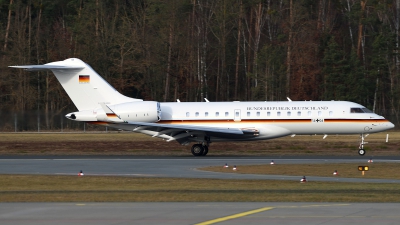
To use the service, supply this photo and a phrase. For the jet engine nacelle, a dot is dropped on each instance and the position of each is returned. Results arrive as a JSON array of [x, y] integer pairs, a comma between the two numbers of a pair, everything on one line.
[[140, 111]]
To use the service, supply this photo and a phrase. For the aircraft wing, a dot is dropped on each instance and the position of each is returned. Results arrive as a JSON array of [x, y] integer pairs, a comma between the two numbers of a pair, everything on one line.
[[188, 127], [185, 133]]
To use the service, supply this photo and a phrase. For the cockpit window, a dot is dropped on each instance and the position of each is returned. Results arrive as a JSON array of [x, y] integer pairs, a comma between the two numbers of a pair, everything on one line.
[[360, 110], [356, 110], [367, 110]]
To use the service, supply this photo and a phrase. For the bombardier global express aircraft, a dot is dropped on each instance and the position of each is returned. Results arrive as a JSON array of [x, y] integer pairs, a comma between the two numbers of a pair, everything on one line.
[[205, 122]]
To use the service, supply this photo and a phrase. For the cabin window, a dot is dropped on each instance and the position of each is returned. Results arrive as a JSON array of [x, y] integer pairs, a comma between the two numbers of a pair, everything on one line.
[[206, 114], [268, 114], [309, 113], [319, 113], [248, 114], [217, 114], [187, 114], [258, 114], [237, 114], [226, 114], [298, 113], [197, 114], [278, 113], [289, 113], [330, 113]]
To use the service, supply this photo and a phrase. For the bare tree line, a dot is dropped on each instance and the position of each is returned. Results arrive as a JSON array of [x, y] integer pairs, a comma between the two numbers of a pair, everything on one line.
[[222, 50]]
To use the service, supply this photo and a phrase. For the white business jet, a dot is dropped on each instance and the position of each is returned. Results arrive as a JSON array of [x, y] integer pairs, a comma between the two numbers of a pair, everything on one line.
[[205, 122]]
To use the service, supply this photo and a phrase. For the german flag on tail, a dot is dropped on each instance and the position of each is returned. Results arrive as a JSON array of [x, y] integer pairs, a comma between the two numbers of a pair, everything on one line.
[[84, 79]]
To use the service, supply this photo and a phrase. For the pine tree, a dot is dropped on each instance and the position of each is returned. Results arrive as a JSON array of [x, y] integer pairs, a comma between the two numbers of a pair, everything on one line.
[[333, 72]]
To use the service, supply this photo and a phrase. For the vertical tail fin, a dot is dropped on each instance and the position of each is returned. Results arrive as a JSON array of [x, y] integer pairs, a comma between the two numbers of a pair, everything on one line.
[[83, 85]]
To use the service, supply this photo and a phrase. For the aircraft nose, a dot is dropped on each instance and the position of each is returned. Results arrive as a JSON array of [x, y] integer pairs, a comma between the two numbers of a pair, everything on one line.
[[388, 125]]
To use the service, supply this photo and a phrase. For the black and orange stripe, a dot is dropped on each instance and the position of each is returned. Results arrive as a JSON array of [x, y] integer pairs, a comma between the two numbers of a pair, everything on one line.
[[231, 121], [356, 120], [272, 121]]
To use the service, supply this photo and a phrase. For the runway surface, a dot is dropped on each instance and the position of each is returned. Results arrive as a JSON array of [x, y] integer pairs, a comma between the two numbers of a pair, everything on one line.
[[178, 167], [198, 213], [187, 213]]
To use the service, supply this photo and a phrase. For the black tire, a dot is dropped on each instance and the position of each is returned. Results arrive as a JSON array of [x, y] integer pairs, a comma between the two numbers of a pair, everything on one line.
[[205, 150], [197, 150], [361, 152]]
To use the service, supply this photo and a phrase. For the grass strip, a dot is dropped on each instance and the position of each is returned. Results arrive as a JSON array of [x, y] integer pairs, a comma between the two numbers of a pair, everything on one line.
[[40, 188], [348, 170], [128, 143]]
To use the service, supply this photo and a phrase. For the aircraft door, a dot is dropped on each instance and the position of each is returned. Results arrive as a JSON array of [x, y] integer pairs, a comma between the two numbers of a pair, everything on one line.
[[237, 115]]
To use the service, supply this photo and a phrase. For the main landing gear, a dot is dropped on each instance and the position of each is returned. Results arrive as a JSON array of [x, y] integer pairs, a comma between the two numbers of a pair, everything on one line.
[[201, 149], [361, 150]]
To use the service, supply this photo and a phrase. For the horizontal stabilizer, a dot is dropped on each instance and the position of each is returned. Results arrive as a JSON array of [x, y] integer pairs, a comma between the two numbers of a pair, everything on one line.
[[47, 67]]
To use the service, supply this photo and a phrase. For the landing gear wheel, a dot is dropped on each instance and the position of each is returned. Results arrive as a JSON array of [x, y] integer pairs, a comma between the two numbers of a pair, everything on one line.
[[197, 150], [361, 150], [205, 150]]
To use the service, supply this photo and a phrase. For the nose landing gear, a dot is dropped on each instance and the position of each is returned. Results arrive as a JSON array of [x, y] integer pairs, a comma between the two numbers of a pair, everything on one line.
[[361, 150]]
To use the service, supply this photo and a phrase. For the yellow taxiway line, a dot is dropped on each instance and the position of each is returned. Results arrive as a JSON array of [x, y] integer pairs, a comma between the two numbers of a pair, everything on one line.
[[235, 216]]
